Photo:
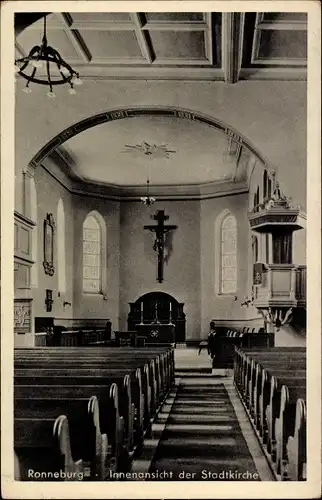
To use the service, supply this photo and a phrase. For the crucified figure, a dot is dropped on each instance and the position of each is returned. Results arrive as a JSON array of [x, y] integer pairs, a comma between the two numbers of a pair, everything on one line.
[[160, 230]]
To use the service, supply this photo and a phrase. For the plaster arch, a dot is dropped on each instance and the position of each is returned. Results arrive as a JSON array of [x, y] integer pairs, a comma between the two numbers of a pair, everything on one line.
[[137, 111]]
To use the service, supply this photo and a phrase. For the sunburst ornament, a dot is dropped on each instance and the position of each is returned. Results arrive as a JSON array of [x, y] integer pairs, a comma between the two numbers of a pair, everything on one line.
[[151, 150]]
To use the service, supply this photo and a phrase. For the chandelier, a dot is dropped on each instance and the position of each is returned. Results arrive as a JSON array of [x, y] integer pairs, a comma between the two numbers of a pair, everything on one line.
[[57, 71], [147, 200]]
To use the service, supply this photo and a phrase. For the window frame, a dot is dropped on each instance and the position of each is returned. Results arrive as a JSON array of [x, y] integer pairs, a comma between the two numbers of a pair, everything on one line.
[[220, 220], [102, 255], [222, 254]]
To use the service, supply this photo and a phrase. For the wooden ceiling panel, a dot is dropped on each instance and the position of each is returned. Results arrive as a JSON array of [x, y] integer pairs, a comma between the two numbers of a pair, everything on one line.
[[175, 16], [178, 45], [112, 44], [275, 46], [284, 17], [94, 17], [287, 45]]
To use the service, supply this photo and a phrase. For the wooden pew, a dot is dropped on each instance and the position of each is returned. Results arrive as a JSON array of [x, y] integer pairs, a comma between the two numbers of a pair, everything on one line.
[[271, 382], [160, 375], [41, 365], [166, 354], [73, 377], [145, 373], [273, 408], [111, 422], [139, 388], [243, 356], [165, 357], [140, 402], [257, 385], [268, 359], [42, 446], [151, 392], [86, 440], [285, 424], [262, 392], [295, 469]]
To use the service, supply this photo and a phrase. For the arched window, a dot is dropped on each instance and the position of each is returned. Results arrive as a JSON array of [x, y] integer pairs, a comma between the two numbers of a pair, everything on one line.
[[94, 253], [269, 187], [228, 261], [257, 197], [256, 200], [265, 184], [34, 236], [61, 248]]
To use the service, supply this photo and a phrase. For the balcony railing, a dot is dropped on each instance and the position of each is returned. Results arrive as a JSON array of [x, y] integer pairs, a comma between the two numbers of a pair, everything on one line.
[[283, 285]]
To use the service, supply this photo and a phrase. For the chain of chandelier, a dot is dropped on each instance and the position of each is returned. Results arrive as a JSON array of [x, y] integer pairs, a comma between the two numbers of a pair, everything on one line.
[[147, 200], [44, 57]]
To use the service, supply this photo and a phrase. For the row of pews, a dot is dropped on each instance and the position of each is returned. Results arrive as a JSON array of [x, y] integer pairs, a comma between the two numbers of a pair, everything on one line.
[[227, 339], [81, 412], [272, 384]]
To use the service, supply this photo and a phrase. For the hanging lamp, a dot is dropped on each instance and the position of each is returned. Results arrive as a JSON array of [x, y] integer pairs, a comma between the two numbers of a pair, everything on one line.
[[57, 70]]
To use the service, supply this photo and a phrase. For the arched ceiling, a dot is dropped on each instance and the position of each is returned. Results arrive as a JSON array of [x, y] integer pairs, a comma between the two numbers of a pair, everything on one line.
[[167, 149]]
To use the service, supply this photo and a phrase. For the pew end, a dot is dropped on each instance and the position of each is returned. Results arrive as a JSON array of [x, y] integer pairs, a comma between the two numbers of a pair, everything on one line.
[[48, 457], [296, 446]]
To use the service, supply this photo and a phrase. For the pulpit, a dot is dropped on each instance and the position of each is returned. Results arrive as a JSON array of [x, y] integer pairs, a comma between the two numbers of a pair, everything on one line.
[[159, 317]]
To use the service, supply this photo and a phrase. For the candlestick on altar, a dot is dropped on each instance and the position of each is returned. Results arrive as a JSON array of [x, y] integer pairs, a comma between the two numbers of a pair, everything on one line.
[[141, 313], [156, 319], [170, 314]]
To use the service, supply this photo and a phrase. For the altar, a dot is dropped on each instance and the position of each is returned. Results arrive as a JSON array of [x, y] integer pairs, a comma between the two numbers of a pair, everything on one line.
[[158, 317], [157, 333]]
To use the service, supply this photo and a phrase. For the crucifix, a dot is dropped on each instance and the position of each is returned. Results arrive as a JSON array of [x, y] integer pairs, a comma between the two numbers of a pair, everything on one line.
[[160, 230]]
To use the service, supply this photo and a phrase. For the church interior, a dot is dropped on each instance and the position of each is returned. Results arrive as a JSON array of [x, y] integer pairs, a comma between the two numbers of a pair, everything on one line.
[[160, 246]]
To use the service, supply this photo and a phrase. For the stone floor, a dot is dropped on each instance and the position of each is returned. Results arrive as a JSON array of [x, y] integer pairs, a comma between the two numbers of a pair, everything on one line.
[[189, 360]]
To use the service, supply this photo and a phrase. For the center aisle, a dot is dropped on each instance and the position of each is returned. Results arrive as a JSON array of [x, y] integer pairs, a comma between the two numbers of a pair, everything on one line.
[[202, 431], [202, 439]]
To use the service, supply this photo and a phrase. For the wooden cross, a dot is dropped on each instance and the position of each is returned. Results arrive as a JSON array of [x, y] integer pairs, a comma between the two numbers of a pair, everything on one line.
[[160, 230]]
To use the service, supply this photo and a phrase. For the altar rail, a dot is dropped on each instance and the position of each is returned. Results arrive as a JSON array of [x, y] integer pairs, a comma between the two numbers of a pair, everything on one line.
[[70, 338]]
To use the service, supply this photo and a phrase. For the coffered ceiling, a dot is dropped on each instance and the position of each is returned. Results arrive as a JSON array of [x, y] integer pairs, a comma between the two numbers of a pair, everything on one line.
[[177, 45]]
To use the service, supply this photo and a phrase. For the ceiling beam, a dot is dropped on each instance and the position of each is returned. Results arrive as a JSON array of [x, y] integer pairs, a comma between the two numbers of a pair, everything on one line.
[[141, 38], [232, 44], [148, 72], [75, 38]]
